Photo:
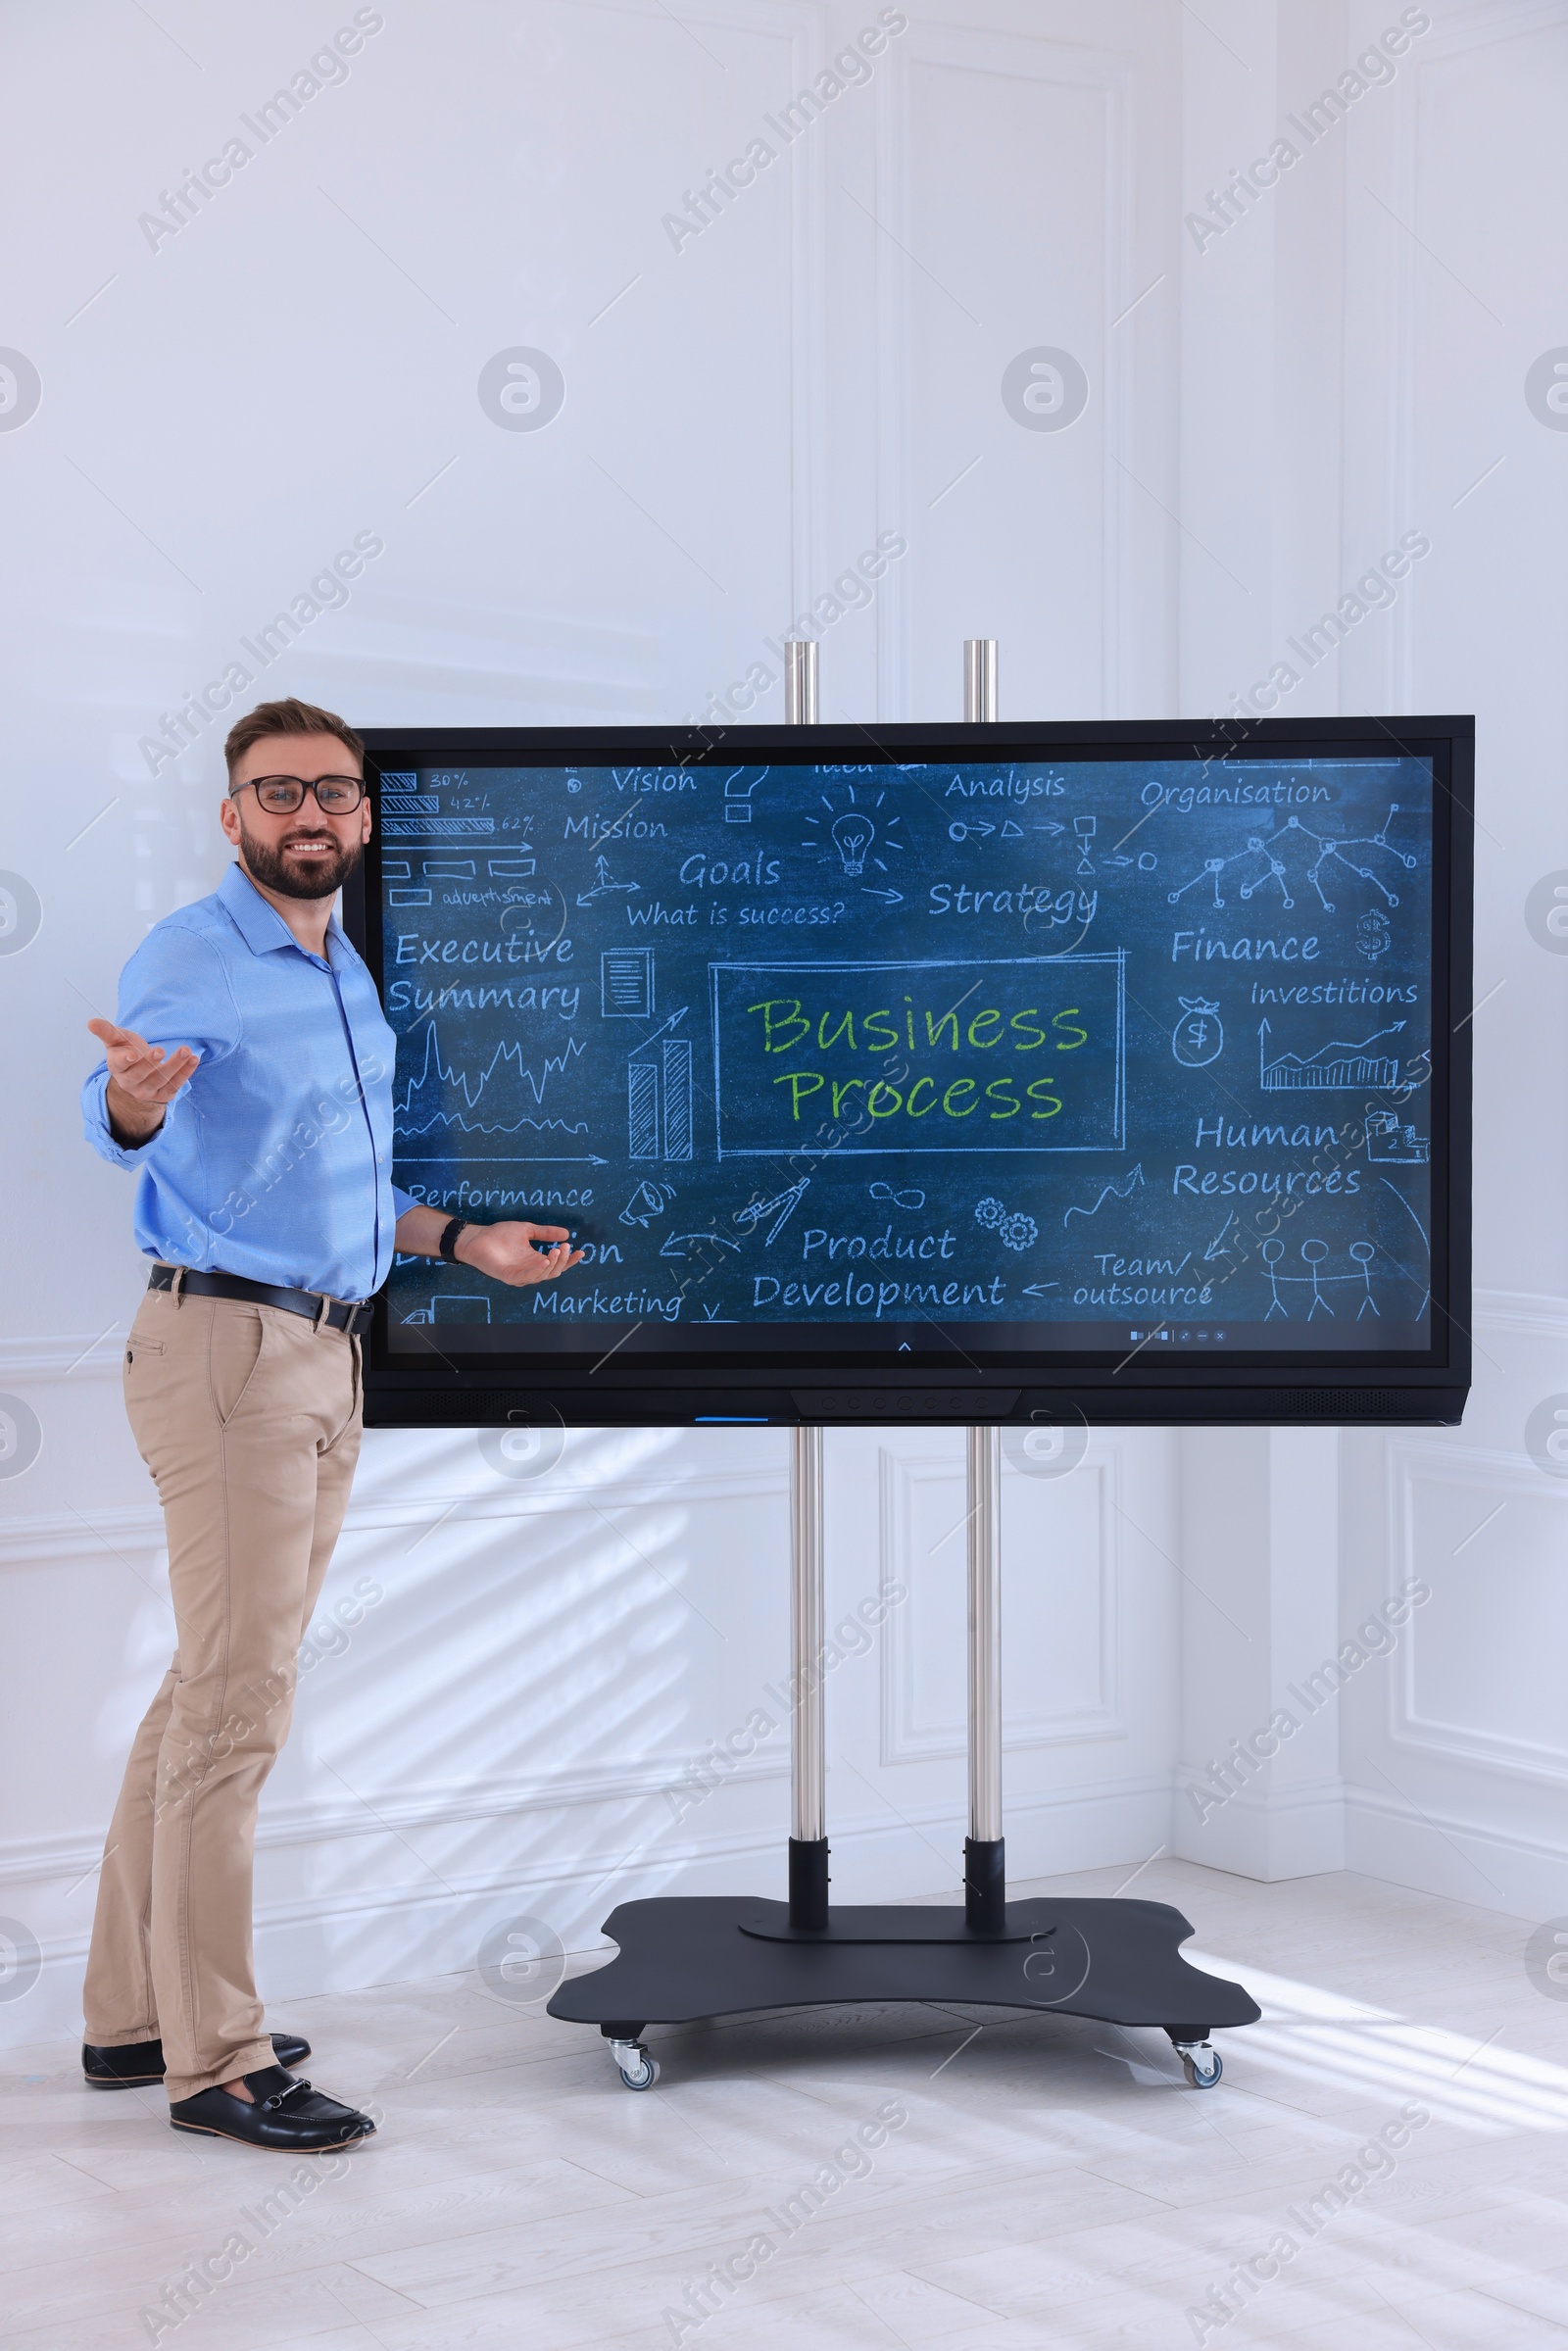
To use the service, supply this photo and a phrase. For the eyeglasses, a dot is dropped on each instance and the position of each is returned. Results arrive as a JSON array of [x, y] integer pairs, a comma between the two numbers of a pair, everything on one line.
[[282, 795]]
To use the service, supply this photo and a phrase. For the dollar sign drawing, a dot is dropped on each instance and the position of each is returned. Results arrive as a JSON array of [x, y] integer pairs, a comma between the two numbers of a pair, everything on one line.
[[1198, 1038], [1372, 936]]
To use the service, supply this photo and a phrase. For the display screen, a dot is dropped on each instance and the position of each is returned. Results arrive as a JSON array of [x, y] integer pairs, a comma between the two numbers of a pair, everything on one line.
[[843, 1048]]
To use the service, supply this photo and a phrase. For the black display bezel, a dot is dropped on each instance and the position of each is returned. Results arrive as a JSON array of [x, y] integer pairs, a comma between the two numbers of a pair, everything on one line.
[[647, 1382]]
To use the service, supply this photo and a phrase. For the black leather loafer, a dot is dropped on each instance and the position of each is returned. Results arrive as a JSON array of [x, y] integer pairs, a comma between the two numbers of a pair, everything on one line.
[[287, 2116], [143, 2061]]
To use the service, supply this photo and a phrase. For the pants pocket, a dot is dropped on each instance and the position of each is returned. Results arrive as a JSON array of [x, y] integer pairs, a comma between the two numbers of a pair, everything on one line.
[[237, 1339]]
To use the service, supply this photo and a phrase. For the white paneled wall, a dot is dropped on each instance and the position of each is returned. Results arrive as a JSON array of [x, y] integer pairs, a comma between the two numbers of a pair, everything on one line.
[[542, 1698]]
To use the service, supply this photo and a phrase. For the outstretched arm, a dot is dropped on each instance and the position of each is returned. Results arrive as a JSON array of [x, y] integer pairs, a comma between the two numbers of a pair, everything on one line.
[[504, 1251], [143, 1081]]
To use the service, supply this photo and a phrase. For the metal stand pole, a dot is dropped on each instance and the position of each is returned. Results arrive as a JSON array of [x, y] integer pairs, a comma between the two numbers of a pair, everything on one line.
[[980, 681], [985, 1885], [985, 1892], [807, 1745], [800, 682]]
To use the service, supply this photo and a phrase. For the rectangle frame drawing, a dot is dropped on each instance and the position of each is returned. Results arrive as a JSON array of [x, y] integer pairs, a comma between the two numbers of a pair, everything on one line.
[[1111, 961]]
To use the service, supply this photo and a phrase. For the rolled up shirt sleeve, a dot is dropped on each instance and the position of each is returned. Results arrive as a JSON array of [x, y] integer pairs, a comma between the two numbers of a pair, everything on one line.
[[402, 1203], [275, 1161], [174, 990]]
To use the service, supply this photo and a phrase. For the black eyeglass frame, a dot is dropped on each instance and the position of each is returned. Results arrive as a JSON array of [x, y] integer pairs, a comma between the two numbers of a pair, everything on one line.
[[256, 782]]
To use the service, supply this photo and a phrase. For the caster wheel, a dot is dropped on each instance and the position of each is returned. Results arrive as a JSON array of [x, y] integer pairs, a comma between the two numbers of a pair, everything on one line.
[[636, 2068], [1201, 2066]]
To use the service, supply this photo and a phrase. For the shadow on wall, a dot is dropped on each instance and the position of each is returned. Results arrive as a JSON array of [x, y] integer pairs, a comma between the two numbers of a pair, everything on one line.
[[531, 1662]]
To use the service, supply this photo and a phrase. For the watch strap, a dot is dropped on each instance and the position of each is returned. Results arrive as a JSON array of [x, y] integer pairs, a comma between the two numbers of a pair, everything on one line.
[[448, 1242]]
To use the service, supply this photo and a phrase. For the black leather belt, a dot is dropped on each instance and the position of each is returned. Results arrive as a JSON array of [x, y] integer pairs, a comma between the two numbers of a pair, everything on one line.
[[339, 1314]]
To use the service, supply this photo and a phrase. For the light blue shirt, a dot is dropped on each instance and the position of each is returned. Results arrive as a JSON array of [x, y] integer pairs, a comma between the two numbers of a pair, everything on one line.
[[275, 1160]]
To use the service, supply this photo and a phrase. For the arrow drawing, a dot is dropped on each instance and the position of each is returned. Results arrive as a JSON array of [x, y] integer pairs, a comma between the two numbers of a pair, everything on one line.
[[1039, 1288], [1123, 1190], [894, 898], [603, 884], [1337, 1068], [504, 1159], [1217, 1246]]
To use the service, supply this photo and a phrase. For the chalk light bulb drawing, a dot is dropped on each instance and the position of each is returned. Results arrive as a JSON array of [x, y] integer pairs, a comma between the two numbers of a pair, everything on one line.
[[853, 834]]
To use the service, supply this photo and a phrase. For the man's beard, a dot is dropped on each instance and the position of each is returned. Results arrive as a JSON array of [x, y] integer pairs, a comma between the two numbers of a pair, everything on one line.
[[318, 877]]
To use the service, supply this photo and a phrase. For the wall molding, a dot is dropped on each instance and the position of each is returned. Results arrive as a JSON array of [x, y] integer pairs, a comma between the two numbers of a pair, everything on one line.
[[1471, 1470], [1535, 1314], [281, 1827], [1441, 1852], [49, 1859], [62, 1355], [1048, 59], [904, 1739], [29, 1537]]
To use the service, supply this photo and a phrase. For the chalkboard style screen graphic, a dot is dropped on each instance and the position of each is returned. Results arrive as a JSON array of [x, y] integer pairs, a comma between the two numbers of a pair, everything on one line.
[[1003, 1069]]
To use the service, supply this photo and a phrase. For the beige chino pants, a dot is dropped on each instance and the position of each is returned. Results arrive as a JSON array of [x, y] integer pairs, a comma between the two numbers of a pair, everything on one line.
[[249, 1419]]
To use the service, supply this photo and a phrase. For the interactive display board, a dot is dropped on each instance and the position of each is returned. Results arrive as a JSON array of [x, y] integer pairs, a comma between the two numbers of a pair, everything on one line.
[[1118, 1068]]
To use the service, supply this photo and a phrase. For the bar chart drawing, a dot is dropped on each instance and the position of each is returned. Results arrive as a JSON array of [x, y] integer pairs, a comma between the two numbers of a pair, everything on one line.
[[658, 1098]]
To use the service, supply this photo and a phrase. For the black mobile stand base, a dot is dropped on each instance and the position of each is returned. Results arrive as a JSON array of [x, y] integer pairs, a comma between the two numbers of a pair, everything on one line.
[[685, 1958]]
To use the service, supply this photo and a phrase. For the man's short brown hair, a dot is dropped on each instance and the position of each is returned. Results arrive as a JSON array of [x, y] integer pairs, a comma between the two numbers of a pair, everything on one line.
[[290, 717]]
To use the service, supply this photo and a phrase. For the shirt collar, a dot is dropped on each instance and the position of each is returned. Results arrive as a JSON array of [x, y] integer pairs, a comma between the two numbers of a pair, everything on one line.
[[262, 926]]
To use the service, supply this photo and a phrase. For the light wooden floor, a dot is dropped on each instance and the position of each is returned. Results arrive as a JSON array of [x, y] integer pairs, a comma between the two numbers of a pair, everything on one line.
[[1055, 2182]]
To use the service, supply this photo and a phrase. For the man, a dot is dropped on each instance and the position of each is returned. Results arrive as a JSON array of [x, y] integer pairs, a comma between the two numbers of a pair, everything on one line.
[[249, 1082]]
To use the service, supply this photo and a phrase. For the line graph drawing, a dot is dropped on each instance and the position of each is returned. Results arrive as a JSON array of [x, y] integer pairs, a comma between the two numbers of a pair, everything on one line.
[[1338, 1068], [498, 1091], [1121, 1191]]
